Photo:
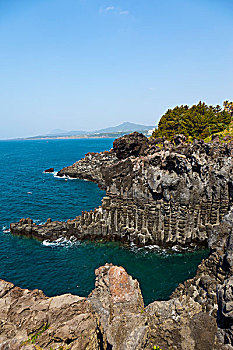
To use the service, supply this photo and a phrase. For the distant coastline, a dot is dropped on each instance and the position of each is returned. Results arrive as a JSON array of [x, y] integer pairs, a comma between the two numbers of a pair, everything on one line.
[[109, 132], [62, 137], [92, 136]]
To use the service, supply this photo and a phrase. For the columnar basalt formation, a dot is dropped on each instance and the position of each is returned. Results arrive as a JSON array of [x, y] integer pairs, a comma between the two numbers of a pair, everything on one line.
[[163, 193], [157, 192]]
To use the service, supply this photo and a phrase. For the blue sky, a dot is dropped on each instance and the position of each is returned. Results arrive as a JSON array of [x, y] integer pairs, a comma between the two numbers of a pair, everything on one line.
[[89, 64]]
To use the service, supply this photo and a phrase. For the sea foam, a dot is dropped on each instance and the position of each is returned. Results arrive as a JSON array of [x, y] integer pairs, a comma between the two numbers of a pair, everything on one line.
[[5, 229], [62, 242]]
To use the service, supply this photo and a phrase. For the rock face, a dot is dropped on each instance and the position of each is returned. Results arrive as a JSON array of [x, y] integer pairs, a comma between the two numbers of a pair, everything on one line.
[[198, 315], [167, 193], [133, 144], [117, 299], [171, 194], [29, 319], [90, 168], [112, 317]]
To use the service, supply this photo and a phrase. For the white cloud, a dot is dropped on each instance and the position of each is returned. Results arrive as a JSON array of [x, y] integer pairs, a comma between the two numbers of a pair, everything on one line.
[[125, 12], [114, 9], [109, 8]]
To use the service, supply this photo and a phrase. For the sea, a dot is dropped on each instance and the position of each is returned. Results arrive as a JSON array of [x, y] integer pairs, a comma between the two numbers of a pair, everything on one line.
[[67, 266]]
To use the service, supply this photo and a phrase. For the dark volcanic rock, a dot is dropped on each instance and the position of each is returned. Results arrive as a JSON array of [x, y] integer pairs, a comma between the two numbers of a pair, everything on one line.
[[90, 167], [169, 193], [130, 145], [50, 170], [178, 323], [179, 139], [225, 315], [175, 195]]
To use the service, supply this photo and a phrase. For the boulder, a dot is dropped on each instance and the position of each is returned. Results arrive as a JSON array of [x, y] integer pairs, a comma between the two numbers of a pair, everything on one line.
[[133, 144]]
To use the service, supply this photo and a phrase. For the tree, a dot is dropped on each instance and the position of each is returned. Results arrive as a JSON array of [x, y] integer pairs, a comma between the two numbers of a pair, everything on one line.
[[198, 121], [228, 107]]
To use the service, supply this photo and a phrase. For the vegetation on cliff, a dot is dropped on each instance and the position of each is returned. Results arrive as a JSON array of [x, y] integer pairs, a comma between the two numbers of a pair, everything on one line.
[[228, 107], [199, 121]]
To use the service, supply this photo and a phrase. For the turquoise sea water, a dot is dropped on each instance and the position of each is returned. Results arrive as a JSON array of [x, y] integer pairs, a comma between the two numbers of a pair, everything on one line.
[[25, 191]]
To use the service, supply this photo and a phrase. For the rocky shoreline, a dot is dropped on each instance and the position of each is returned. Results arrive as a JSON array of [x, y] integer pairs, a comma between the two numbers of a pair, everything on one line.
[[157, 193], [198, 315], [161, 193]]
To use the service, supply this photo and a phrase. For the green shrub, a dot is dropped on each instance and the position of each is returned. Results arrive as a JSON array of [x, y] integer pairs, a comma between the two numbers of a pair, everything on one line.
[[199, 121]]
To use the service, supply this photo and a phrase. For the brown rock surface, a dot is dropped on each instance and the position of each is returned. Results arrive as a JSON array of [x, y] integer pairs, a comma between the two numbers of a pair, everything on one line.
[[90, 167], [118, 300], [112, 317], [63, 321]]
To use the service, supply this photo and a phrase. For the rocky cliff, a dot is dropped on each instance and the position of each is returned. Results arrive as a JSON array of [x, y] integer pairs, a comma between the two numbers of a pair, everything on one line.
[[162, 193], [157, 192], [114, 317]]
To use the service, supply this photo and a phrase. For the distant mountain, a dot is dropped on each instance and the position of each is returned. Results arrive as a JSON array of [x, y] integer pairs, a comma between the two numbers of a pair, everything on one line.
[[114, 131], [122, 128], [125, 127], [59, 132]]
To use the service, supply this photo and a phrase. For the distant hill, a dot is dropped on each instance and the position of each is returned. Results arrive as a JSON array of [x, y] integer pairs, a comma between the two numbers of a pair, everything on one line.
[[125, 127], [110, 132], [59, 132]]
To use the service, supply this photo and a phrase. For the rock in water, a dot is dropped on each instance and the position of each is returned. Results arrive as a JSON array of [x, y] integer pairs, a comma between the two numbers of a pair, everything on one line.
[[50, 170]]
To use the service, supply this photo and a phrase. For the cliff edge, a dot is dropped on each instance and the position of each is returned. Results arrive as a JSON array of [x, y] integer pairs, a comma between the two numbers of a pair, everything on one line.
[[158, 192], [112, 317], [164, 193]]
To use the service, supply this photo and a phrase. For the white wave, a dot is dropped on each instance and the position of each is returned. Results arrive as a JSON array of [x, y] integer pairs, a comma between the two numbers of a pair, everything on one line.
[[177, 248], [66, 177], [29, 192], [61, 242], [59, 177], [71, 178], [38, 222], [153, 247], [5, 229], [50, 172]]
